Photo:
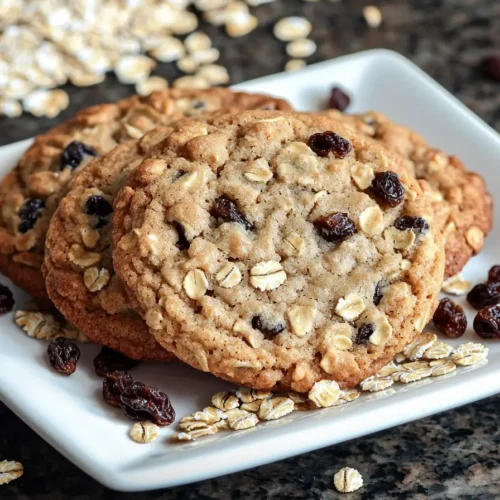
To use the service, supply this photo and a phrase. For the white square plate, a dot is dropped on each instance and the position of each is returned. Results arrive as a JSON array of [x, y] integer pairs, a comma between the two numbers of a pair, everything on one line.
[[70, 414]]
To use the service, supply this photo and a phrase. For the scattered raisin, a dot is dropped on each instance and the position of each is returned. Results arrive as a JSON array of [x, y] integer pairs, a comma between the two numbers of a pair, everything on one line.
[[269, 329], [6, 300], [388, 188], [491, 67], [338, 99], [98, 207], [74, 153], [335, 227], [141, 402], [494, 274], [364, 333], [418, 224], [30, 212], [113, 386], [63, 355], [484, 294], [377, 296], [487, 322], [324, 143], [109, 360], [182, 242], [227, 210], [450, 318]]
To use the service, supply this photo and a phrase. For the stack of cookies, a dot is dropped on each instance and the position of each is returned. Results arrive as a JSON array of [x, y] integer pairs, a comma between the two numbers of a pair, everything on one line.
[[270, 248]]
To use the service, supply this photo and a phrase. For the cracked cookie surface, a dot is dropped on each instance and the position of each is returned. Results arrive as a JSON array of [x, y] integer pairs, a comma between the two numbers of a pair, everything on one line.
[[30, 193], [277, 249], [462, 206]]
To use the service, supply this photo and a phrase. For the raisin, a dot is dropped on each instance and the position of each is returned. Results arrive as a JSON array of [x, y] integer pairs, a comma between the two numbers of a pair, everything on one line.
[[487, 322], [494, 274], [226, 210], [74, 153], [329, 142], [113, 386], [387, 187], [30, 212], [141, 402], [377, 296], [418, 224], [338, 99], [109, 360], [335, 227], [364, 333], [63, 355], [6, 300], [484, 294], [98, 207], [182, 242], [491, 67], [269, 329], [450, 319]]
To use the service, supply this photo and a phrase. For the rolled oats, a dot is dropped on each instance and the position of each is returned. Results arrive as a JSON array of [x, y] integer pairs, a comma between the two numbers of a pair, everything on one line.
[[441, 367], [214, 74], [253, 407], [401, 240], [188, 64], [339, 336], [373, 16], [475, 238], [347, 396], [197, 433], [325, 393], [47, 103], [347, 480], [144, 432], [469, 354], [301, 319], [258, 171], [293, 245], [197, 41], [10, 471], [350, 307], [228, 276], [90, 237], [362, 176], [81, 258], [10, 108], [133, 68], [295, 65], [208, 56], [417, 349], [241, 25], [239, 420], [274, 408], [195, 82], [225, 401], [152, 84], [267, 275], [95, 279], [195, 284], [168, 50], [292, 28], [411, 372], [371, 221], [456, 285], [376, 383], [438, 350], [38, 325], [301, 48]]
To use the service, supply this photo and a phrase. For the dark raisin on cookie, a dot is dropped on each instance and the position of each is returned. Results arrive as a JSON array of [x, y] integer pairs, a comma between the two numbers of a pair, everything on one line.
[[387, 187], [268, 328], [98, 207], [417, 224], [227, 211], [364, 333], [30, 212], [484, 294], [450, 318], [182, 242], [324, 143], [338, 99], [63, 355], [487, 322], [494, 274], [6, 300], [74, 153], [377, 296], [335, 227]]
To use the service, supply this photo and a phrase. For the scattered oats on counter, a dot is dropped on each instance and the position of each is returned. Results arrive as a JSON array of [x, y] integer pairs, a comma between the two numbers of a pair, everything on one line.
[[347, 480], [292, 28], [295, 65], [9, 471], [372, 16]]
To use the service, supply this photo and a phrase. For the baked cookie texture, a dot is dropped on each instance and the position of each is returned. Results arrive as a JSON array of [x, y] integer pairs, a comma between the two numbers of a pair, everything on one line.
[[273, 257], [30, 194], [462, 206], [78, 267]]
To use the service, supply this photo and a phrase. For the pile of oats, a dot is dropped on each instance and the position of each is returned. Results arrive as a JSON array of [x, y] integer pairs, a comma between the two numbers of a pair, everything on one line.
[[245, 408]]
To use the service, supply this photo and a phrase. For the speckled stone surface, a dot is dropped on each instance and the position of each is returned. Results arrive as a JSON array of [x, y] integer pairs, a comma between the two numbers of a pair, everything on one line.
[[453, 455]]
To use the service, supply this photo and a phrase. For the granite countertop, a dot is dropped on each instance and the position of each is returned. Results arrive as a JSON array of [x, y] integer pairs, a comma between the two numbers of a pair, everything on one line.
[[452, 455]]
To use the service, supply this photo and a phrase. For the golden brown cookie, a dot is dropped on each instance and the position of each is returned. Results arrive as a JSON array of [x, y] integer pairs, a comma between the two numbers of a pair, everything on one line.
[[29, 194], [462, 206], [277, 249]]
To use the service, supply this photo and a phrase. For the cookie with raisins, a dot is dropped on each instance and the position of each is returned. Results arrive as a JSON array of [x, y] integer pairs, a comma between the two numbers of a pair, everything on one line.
[[30, 193], [462, 206], [307, 251]]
